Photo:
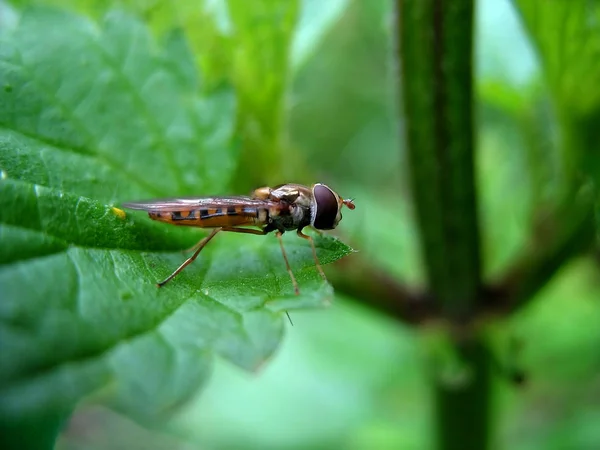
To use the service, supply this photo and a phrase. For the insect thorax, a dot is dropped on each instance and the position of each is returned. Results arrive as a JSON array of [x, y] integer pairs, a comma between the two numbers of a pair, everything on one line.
[[296, 216]]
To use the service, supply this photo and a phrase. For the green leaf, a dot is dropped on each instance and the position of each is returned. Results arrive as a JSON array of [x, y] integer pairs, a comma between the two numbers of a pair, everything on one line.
[[263, 34], [255, 46], [316, 19], [567, 38], [93, 114]]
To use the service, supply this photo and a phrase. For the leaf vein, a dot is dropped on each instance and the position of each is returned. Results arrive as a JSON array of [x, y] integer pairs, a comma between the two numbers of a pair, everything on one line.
[[158, 132], [96, 353], [101, 157]]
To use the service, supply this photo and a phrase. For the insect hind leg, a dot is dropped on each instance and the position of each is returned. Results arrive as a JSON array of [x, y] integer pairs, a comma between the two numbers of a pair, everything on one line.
[[287, 263], [198, 248], [200, 245]]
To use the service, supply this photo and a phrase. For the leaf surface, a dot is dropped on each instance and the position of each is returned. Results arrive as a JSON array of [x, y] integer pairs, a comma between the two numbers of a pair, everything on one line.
[[93, 114]]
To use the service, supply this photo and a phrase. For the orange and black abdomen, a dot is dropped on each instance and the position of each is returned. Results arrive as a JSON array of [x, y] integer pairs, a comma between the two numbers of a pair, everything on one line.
[[212, 217]]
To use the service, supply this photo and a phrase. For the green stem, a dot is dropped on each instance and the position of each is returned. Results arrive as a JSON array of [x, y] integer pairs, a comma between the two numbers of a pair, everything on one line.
[[435, 52], [435, 45], [456, 403], [365, 281]]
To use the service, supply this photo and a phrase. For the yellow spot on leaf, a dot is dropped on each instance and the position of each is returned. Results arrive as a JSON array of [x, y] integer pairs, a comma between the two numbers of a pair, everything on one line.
[[118, 212]]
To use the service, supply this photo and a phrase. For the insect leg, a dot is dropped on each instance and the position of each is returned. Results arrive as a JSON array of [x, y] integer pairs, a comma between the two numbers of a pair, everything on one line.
[[198, 248], [314, 250], [200, 245], [194, 247], [319, 232], [287, 263], [263, 232], [245, 230], [234, 229]]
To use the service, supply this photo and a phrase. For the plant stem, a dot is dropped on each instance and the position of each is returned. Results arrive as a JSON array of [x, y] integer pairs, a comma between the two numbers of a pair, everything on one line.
[[364, 281], [435, 52], [458, 403]]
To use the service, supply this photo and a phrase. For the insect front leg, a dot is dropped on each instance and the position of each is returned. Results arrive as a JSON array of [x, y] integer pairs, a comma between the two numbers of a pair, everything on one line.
[[314, 251], [264, 231], [319, 232]]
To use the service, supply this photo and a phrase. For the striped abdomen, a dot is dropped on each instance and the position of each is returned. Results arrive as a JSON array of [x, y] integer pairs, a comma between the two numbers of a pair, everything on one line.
[[214, 217]]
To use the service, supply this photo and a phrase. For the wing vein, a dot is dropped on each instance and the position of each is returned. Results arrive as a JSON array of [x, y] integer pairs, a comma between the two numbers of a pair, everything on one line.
[[192, 203]]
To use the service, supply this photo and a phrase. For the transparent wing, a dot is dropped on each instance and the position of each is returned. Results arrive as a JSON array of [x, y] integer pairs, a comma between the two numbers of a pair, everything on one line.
[[192, 203]]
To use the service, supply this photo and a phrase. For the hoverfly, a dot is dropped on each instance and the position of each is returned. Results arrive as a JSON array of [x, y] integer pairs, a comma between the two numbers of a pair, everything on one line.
[[283, 208]]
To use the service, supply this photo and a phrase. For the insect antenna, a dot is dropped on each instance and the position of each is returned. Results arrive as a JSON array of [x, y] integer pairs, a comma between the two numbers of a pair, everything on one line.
[[349, 202]]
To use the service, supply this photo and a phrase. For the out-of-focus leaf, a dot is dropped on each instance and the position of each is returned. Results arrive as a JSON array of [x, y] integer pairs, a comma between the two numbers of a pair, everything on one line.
[[559, 398], [384, 232], [359, 364], [567, 38], [503, 52], [92, 114], [344, 114], [263, 32], [254, 46], [316, 18]]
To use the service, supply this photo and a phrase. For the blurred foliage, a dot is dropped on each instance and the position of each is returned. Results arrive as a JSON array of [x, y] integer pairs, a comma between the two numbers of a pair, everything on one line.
[[567, 37], [324, 111]]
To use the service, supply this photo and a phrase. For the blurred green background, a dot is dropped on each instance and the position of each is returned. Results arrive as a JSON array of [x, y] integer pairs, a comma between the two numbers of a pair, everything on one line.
[[350, 376]]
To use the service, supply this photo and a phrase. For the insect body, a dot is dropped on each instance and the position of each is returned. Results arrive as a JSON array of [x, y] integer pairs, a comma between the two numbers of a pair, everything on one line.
[[282, 208]]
